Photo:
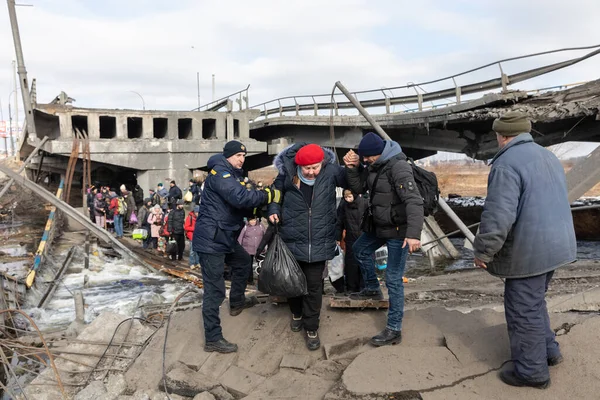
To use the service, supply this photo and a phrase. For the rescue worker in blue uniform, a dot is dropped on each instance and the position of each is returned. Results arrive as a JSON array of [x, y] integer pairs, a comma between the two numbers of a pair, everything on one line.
[[225, 202]]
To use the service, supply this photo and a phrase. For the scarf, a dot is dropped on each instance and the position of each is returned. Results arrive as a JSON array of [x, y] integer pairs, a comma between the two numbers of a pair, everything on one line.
[[309, 182]]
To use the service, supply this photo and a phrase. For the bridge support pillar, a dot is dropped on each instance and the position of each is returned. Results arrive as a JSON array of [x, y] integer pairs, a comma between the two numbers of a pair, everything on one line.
[[121, 126], [197, 128], [93, 126], [66, 125], [230, 131], [172, 128], [244, 127], [220, 127], [147, 127]]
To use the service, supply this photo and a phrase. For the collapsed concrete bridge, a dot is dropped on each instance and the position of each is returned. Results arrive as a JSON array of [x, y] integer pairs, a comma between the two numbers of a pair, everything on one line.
[[146, 147]]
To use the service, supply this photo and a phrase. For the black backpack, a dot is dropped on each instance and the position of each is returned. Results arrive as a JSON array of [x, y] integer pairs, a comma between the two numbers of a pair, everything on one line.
[[427, 184]]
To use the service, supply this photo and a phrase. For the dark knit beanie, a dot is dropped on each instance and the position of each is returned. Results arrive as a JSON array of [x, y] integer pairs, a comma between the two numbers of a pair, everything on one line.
[[512, 123], [233, 147], [371, 145]]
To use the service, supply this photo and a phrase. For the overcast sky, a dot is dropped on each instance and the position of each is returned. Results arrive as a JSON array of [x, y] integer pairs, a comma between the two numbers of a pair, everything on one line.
[[98, 51]]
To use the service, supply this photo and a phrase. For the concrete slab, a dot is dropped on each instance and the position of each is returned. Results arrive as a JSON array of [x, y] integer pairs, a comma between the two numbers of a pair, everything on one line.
[[346, 348], [329, 370], [585, 301], [184, 381], [240, 381], [399, 368], [217, 364], [290, 384], [295, 361]]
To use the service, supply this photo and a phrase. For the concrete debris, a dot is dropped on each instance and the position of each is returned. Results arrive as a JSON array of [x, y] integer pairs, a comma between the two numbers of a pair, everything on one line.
[[240, 381], [295, 361], [291, 384], [94, 391], [221, 393], [184, 381], [328, 369], [204, 396], [116, 385], [152, 395], [345, 348]]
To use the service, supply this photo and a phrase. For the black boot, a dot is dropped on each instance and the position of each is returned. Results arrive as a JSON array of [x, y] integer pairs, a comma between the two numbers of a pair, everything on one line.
[[367, 294], [553, 361], [296, 323], [387, 336], [249, 302], [312, 340], [220, 346], [510, 378]]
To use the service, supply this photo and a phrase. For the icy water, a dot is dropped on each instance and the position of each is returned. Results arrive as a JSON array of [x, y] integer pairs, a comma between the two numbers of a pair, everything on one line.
[[112, 285]]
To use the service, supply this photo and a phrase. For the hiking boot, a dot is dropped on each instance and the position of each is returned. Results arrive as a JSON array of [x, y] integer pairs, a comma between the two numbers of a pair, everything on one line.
[[511, 378], [553, 361], [387, 337], [220, 346], [249, 302], [367, 294], [296, 323], [312, 340]]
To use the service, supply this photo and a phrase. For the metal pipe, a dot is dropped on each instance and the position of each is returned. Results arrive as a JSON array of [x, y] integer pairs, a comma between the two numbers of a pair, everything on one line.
[[12, 13], [442, 203], [27, 160]]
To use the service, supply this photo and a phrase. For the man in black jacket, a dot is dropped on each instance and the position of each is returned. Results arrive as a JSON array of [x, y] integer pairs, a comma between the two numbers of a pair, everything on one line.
[[174, 195], [176, 221], [396, 211]]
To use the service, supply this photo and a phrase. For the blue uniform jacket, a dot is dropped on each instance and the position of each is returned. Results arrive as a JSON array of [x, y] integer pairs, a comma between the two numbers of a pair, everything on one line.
[[225, 201]]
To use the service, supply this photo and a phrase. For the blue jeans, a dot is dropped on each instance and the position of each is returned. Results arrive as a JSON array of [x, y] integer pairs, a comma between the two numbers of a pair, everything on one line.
[[118, 220], [213, 267], [532, 340], [194, 258], [364, 250]]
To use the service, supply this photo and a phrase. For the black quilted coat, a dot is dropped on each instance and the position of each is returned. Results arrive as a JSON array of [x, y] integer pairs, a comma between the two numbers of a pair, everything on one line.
[[309, 233]]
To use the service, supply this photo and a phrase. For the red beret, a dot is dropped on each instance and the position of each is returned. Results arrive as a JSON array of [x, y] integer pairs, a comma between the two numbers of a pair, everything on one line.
[[310, 154]]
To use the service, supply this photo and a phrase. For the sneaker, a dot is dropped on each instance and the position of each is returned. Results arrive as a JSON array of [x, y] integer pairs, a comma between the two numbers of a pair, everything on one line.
[[387, 337], [296, 324], [367, 294], [220, 346], [511, 378], [553, 361], [312, 340], [249, 302]]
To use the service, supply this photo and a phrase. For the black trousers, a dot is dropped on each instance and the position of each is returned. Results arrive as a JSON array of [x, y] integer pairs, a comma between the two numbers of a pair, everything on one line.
[[214, 286], [354, 279], [180, 239], [309, 306], [532, 340]]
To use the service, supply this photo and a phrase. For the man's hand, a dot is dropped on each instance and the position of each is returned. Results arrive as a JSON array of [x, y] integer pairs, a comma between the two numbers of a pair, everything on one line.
[[273, 195], [479, 263], [274, 218], [413, 244], [351, 159]]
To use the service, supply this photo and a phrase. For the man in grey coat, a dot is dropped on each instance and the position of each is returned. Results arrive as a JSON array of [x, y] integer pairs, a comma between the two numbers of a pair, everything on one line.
[[526, 233]]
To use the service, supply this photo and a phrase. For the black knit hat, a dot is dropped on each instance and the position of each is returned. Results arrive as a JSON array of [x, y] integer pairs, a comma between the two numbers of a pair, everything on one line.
[[233, 147], [371, 145]]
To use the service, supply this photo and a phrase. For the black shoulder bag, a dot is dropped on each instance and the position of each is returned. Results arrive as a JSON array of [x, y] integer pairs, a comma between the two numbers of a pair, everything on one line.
[[367, 224]]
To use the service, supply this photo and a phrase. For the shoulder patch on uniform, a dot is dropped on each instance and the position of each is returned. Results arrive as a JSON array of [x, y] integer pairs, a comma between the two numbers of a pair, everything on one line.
[[226, 175], [213, 172]]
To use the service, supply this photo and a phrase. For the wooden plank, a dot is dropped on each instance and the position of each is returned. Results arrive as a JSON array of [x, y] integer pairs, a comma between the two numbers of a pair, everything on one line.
[[347, 302]]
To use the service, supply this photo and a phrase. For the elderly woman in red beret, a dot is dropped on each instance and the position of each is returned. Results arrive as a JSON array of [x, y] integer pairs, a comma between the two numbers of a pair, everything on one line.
[[308, 177]]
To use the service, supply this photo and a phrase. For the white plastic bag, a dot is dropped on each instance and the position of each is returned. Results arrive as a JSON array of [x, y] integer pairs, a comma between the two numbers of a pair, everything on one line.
[[336, 266]]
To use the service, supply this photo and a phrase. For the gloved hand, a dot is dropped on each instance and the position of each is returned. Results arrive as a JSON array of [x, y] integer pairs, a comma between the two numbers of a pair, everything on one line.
[[273, 195]]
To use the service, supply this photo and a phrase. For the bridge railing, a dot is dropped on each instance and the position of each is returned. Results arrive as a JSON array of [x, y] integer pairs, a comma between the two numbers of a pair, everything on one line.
[[241, 97], [451, 95]]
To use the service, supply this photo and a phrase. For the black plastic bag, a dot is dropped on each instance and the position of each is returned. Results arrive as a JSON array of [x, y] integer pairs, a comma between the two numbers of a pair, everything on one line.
[[172, 247], [280, 274]]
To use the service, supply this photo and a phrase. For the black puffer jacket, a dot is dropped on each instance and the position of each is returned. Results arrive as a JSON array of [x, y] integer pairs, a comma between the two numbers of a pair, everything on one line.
[[176, 221], [397, 210], [349, 217], [308, 232]]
